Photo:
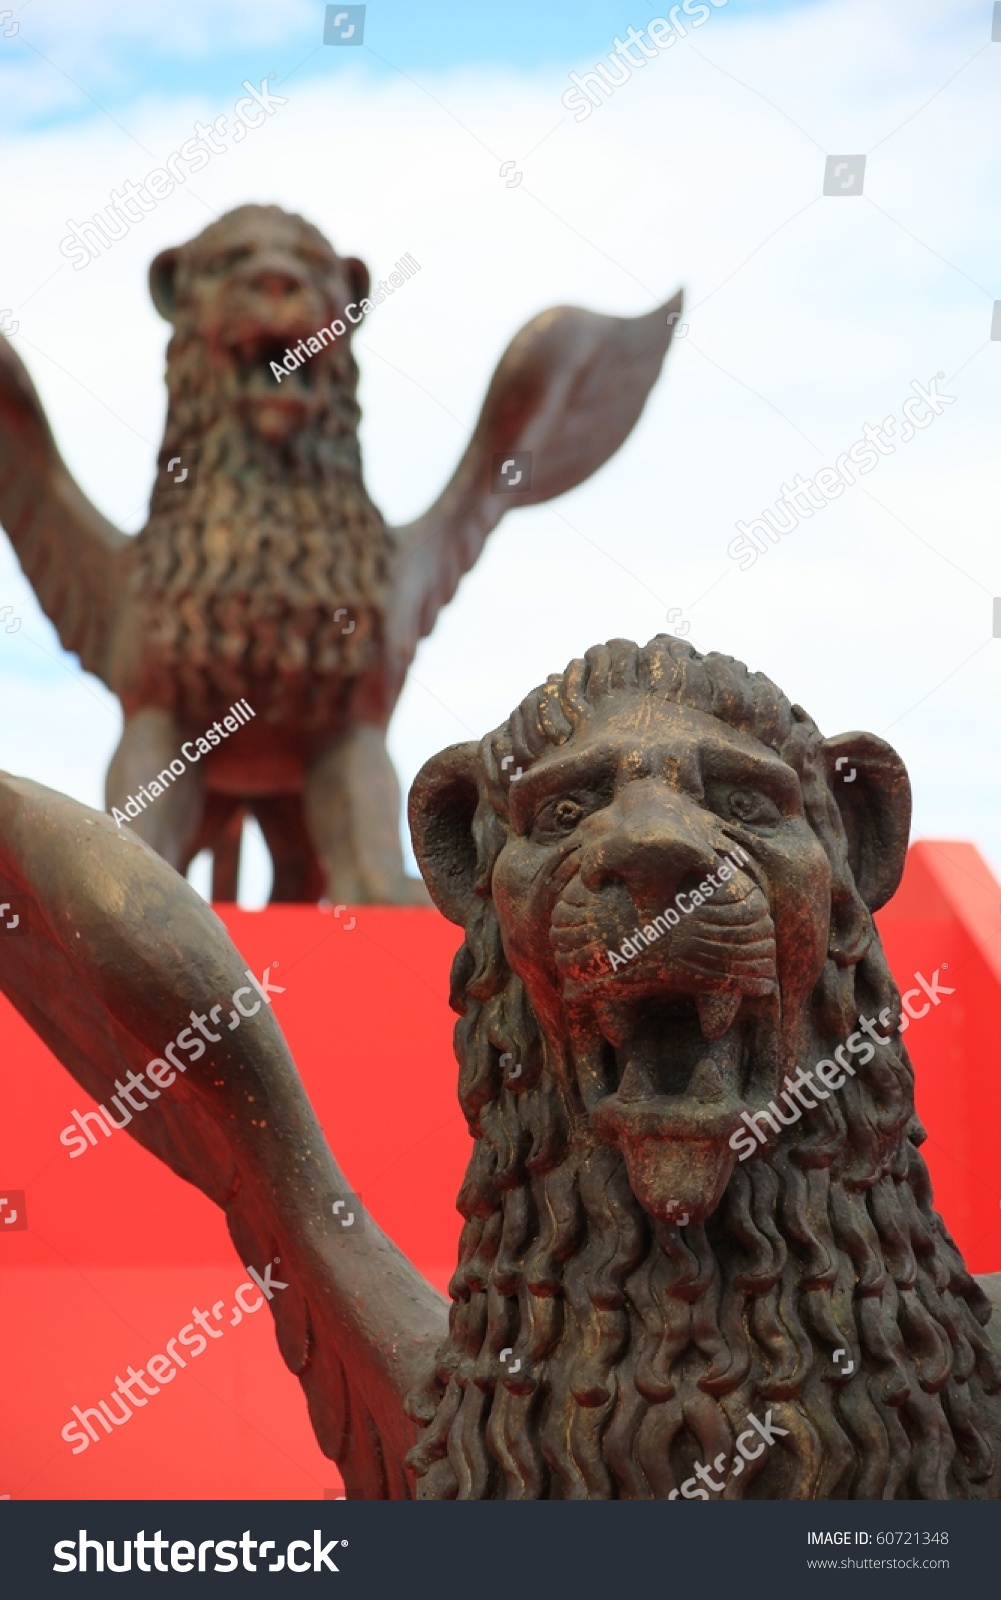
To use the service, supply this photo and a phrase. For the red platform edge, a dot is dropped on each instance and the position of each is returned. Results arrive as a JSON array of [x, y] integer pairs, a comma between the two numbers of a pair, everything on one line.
[[946, 918], [118, 1251]]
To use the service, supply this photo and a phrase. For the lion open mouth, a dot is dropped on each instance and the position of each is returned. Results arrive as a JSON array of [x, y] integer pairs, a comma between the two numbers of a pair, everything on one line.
[[688, 1038], [251, 357], [696, 1060], [676, 1078], [686, 1046]]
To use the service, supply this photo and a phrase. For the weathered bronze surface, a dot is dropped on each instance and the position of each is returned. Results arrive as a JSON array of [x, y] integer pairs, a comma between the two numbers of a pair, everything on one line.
[[650, 1299], [265, 573]]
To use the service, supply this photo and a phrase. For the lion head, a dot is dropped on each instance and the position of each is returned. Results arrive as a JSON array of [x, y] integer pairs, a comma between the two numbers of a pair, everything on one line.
[[248, 574], [666, 886], [249, 287]]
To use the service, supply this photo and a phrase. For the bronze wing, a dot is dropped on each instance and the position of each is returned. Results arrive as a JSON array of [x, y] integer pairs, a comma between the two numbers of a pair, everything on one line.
[[568, 389], [113, 952], [73, 557]]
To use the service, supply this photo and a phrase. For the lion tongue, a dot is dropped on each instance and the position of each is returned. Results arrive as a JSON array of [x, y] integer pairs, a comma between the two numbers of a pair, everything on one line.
[[716, 1013]]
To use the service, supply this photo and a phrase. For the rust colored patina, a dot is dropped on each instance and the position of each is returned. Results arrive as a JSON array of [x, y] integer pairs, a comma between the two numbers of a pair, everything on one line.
[[265, 573], [679, 1274]]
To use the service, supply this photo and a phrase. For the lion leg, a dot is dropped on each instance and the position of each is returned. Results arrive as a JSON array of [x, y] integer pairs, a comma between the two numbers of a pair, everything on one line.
[[168, 822], [352, 806], [219, 832], [226, 857], [298, 875]]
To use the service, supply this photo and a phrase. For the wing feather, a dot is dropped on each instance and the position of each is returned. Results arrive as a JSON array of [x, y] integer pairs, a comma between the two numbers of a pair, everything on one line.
[[568, 389], [74, 558]]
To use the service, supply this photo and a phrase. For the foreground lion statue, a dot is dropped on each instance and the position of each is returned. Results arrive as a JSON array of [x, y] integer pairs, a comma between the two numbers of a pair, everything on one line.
[[650, 1299], [258, 630]]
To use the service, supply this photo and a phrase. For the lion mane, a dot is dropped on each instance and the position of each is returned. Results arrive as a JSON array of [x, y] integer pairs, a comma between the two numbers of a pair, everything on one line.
[[637, 1349], [244, 580]]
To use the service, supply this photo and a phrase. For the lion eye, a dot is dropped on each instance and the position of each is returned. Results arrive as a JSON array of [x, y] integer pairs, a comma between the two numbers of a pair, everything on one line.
[[567, 813], [556, 819], [227, 259], [747, 805]]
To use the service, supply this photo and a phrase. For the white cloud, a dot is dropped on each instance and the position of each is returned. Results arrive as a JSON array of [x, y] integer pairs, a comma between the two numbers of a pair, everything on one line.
[[678, 178]]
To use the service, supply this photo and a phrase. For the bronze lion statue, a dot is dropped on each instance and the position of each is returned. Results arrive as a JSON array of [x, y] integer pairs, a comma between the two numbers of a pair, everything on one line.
[[265, 574], [650, 1300]]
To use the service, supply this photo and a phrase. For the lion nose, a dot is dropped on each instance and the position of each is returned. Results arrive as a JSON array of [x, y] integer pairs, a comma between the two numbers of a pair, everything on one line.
[[276, 281], [655, 853]]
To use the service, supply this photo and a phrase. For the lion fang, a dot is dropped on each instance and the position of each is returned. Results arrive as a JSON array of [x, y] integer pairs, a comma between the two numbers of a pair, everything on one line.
[[716, 1013]]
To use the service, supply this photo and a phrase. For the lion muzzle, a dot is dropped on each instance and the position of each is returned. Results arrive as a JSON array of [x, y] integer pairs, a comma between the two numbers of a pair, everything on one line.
[[689, 1028]]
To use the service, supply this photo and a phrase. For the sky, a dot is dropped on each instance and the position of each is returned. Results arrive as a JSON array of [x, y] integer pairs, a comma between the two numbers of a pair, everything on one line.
[[808, 316]]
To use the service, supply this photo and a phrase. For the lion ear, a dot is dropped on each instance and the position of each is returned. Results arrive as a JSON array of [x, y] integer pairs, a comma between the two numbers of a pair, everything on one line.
[[357, 276], [870, 784], [161, 283], [443, 800]]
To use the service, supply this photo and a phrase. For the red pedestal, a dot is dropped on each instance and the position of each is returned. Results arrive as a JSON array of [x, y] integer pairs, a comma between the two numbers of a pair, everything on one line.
[[118, 1252], [946, 918]]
